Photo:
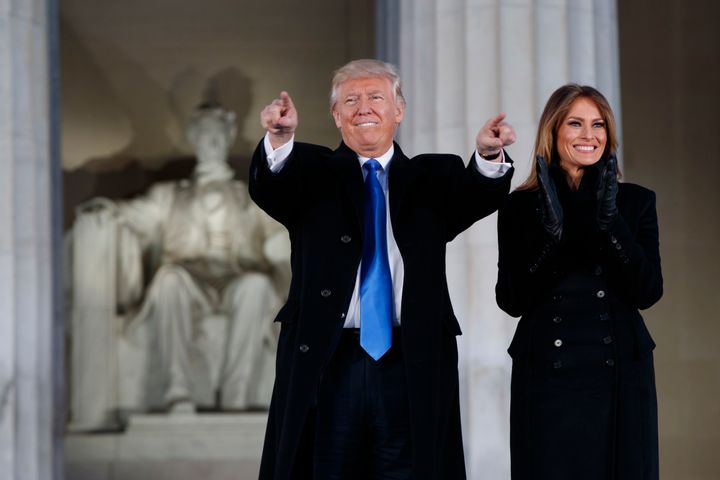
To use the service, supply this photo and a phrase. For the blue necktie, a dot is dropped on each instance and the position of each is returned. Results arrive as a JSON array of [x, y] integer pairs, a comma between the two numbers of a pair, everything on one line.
[[375, 280]]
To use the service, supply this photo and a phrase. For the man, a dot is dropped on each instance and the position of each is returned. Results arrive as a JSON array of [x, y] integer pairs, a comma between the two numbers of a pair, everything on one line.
[[366, 383]]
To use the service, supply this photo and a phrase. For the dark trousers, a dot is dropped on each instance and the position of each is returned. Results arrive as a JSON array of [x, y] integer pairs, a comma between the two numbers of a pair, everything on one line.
[[362, 428]]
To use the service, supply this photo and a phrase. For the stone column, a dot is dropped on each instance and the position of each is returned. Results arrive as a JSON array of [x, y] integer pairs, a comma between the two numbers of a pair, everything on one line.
[[30, 330], [462, 62]]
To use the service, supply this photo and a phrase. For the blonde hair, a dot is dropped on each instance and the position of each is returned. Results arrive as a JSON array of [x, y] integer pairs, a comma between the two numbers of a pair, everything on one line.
[[366, 68], [556, 110]]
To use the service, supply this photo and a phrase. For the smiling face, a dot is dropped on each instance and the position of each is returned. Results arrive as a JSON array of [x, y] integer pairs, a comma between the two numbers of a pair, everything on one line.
[[367, 114], [582, 135]]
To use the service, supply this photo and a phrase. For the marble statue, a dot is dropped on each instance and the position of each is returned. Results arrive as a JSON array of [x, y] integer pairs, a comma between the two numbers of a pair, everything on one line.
[[199, 331]]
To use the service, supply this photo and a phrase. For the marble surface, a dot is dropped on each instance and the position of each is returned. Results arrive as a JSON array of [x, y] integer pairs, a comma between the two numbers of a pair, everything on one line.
[[29, 443], [181, 446]]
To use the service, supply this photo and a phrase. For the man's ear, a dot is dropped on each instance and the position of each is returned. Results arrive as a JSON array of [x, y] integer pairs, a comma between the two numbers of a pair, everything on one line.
[[399, 112], [336, 117]]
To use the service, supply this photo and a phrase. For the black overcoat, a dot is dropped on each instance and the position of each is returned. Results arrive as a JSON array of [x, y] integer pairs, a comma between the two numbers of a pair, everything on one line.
[[583, 402], [318, 196]]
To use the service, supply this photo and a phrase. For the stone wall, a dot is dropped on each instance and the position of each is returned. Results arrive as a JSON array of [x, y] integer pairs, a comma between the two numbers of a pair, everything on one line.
[[670, 72]]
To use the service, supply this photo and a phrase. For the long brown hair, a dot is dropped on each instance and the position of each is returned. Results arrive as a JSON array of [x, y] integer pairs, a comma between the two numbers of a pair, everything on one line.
[[556, 110]]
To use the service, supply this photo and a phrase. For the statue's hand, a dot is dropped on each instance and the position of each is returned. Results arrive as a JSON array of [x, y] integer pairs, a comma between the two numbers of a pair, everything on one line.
[[280, 119]]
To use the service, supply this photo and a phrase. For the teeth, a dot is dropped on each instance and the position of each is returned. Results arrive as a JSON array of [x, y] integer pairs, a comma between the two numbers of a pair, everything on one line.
[[366, 124], [585, 148]]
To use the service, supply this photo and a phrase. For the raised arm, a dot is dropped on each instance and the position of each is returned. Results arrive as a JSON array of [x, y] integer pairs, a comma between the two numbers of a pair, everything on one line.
[[281, 167], [478, 190]]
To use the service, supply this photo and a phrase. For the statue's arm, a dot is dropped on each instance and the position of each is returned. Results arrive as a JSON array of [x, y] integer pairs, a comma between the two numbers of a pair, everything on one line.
[[146, 215]]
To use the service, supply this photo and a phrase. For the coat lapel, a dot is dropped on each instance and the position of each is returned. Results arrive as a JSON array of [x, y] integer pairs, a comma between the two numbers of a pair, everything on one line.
[[344, 162], [401, 175]]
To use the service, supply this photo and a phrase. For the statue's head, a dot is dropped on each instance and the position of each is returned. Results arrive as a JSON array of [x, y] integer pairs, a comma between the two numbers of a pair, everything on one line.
[[211, 132]]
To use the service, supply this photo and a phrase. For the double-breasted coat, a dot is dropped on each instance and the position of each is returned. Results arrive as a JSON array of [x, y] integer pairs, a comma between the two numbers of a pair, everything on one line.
[[318, 196], [583, 399]]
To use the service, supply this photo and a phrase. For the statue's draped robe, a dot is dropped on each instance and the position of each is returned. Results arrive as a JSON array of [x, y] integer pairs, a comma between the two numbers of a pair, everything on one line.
[[211, 254]]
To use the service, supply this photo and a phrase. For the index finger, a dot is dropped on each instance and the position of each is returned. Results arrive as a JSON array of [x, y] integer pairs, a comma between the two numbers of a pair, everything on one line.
[[495, 121], [287, 102]]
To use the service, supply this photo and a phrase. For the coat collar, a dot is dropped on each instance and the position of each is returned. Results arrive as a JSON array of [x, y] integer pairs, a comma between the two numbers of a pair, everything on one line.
[[344, 162], [401, 173]]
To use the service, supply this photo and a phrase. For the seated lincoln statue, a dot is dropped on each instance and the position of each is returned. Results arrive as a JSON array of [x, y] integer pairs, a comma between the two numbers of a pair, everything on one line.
[[173, 293]]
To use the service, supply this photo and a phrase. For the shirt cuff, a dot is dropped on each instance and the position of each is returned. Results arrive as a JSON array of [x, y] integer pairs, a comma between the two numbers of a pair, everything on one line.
[[490, 169], [276, 157]]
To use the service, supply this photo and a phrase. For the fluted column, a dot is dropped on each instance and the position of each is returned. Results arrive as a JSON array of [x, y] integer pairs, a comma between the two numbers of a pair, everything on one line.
[[29, 336], [462, 62]]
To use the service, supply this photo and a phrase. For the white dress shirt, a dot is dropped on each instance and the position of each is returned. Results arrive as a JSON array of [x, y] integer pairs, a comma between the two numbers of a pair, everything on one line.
[[276, 160]]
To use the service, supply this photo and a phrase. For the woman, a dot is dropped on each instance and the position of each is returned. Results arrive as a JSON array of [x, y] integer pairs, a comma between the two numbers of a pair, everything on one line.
[[578, 258]]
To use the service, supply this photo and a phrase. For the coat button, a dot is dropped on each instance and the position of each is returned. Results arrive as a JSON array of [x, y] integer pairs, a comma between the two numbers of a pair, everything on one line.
[[557, 364], [558, 343], [598, 270], [607, 340], [346, 239], [610, 362], [557, 319], [618, 246], [342, 315], [304, 348], [600, 294], [326, 293], [613, 239], [603, 317]]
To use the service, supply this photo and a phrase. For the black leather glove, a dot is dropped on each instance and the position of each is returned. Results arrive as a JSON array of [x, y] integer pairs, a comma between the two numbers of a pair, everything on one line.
[[551, 213], [606, 194]]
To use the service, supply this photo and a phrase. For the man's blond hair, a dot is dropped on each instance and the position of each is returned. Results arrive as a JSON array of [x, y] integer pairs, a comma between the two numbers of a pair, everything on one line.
[[366, 68]]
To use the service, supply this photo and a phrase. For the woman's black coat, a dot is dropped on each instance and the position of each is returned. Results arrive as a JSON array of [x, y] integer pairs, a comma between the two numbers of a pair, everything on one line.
[[583, 390]]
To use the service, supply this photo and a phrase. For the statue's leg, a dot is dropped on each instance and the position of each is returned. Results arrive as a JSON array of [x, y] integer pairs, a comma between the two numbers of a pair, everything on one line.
[[251, 302], [176, 301]]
